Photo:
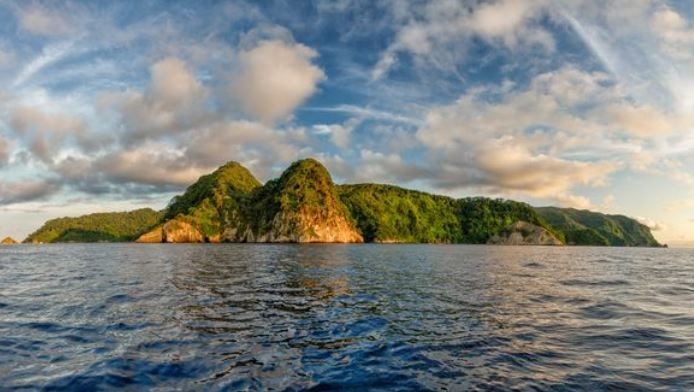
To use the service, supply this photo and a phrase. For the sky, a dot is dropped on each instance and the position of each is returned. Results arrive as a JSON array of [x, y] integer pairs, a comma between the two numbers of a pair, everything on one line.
[[110, 106]]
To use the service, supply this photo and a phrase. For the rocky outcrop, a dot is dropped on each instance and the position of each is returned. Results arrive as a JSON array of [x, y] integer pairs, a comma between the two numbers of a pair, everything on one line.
[[153, 237], [524, 233], [176, 231], [8, 241], [301, 206]]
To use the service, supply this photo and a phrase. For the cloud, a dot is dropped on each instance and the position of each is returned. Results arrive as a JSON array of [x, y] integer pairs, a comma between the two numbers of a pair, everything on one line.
[[46, 133], [7, 57], [39, 20], [275, 78], [440, 33], [23, 191], [651, 224], [340, 134], [646, 45], [173, 102], [537, 140], [152, 164], [368, 113], [4, 151], [507, 165], [49, 55]]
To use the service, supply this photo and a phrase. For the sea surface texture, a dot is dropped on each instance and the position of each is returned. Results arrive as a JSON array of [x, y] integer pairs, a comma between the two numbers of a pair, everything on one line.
[[362, 317]]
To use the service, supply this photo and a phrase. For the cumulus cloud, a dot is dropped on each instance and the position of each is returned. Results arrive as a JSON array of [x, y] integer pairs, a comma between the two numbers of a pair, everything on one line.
[[540, 140], [173, 102], [23, 191], [46, 133], [149, 164], [275, 78]]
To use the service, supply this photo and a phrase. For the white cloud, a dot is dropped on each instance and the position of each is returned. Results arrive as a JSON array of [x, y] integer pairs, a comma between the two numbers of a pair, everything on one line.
[[651, 224], [152, 163], [340, 134], [440, 32], [275, 78], [567, 129], [49, 55], [173, 102]]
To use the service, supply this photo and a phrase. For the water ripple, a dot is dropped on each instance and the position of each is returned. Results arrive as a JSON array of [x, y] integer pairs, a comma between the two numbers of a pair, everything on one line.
[[282, 317]]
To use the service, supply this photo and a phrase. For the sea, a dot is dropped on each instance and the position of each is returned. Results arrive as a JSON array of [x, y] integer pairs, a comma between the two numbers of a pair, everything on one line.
[[345, 317]]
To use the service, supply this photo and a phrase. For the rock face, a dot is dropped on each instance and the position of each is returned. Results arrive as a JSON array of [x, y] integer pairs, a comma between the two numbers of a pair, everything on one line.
[[176, 231], [179, 231], [524, 233], [153, 237], [301, 206], [8, 241]]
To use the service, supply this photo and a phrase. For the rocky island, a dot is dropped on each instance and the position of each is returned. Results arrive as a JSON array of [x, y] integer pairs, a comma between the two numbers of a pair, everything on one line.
[[303, 205], [8, 241]]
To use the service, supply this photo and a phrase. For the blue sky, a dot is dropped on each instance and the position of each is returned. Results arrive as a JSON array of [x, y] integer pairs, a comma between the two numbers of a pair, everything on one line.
[[116, 105]]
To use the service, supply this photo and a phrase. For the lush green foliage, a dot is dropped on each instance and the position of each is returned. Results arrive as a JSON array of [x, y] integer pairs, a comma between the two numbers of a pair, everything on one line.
[[581, 227], [111, 227], [390, 213], [305, 185], [214, 199], [482, 217], [232, 197]]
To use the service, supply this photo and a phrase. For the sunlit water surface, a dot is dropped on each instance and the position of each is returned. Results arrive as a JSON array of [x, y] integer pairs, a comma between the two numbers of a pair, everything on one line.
[[325, 317]]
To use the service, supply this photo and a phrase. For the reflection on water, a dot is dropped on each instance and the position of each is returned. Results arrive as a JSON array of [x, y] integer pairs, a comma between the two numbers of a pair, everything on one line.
[[405, 317]]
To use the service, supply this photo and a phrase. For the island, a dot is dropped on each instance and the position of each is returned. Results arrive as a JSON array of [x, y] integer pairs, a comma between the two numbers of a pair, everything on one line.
[[8, 241], [304, 205]]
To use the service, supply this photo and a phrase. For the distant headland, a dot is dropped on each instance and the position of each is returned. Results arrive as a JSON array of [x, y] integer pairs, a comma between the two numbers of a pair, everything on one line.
[[304, 205]]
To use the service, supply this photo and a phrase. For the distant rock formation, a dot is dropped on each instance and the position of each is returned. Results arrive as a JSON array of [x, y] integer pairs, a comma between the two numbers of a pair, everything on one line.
[[8, 241], [524, 233]]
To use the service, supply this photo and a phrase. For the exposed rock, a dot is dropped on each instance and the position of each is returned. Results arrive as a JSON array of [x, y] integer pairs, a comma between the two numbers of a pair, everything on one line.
[[152, 237], [179, 231], [524, 233], [8, 241], [301, 206]]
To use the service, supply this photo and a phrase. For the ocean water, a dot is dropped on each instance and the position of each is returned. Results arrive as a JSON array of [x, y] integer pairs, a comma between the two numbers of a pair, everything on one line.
[[341, 317]]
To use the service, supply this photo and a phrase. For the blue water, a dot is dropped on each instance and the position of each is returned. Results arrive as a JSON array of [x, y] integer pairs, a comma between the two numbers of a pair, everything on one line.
[[326, 317]]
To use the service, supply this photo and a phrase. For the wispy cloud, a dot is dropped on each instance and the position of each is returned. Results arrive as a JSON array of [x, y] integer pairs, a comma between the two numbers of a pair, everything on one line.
[[366, 112], [48, 56]]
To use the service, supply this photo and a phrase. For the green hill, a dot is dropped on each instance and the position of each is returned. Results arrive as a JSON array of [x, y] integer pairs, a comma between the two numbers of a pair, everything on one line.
[[215, 201], [108, 226], [582, 227], [386, 213], [304, 205]]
